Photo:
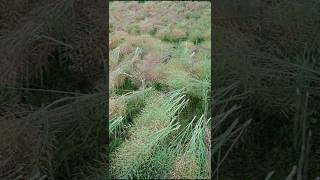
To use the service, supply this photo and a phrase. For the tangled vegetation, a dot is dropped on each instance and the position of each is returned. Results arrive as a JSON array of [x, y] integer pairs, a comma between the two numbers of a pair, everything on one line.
[[159, 90], [266, 68]]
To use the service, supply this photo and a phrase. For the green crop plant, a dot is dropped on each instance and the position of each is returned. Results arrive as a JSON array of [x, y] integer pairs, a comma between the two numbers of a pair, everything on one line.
[[191, 143], [196, 36], [115, 124], [161, 78], [134, 29], [156, 121], [171, 34]]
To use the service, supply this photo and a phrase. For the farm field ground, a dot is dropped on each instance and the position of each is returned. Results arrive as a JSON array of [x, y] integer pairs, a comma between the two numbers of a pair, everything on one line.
[[159, 90]]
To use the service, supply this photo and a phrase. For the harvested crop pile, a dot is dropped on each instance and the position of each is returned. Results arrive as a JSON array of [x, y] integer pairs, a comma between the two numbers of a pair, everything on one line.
[[160, 81]]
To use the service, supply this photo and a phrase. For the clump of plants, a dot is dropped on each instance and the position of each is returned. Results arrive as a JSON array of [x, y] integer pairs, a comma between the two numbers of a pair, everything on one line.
[[196, 36], [134, 29], [171, 34]]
